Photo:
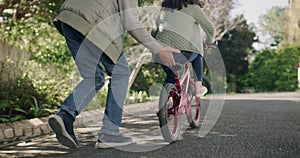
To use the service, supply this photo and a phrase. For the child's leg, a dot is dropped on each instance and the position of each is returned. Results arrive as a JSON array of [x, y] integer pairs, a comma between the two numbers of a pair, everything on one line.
[[197, 64], [171, 76]]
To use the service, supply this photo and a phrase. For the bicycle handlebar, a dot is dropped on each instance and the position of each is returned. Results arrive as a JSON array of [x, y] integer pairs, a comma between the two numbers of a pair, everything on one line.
[[211, 45]]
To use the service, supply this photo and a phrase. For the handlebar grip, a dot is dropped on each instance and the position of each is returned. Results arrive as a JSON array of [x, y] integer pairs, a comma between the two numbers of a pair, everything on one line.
[[213, 44]]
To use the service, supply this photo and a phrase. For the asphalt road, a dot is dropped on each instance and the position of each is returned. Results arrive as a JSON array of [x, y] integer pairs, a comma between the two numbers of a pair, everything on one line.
[[246, 128]]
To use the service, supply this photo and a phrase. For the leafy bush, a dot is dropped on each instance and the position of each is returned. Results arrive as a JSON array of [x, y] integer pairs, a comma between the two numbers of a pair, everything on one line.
[[287, 61], [54, 83], [40, 39], [14, 100], [149, 74], [274, 70], [32, 89]]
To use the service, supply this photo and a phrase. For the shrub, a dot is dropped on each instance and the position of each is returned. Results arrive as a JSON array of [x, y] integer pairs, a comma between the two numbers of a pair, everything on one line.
[[274, 70], [29, 87]]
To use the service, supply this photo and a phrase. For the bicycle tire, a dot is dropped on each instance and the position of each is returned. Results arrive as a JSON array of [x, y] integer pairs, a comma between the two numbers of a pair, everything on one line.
[[193, 117], [167, 98]]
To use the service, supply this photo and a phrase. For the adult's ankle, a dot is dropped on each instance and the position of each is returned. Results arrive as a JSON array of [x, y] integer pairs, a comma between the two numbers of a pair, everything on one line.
[[65, 114]]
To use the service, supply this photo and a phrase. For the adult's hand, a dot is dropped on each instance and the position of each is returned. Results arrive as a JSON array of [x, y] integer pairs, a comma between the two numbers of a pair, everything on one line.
[[166, 55], [205, 46]]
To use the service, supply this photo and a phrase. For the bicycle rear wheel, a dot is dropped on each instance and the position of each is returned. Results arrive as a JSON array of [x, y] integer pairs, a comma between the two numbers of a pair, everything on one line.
[[193, 116], [169, 118]]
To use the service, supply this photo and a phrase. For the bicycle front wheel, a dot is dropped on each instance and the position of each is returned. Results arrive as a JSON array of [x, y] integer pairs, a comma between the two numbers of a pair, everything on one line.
[[169, 117]]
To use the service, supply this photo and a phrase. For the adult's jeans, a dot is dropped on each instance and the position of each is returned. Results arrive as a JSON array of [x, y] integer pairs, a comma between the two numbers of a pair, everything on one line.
[[88, 58]]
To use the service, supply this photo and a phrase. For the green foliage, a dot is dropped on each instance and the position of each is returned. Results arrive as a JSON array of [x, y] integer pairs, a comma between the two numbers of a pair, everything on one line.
[[274, 70], [41, 39], [287, 62], [262, 74], [28, 25], [145, 2], [52, 82], [274, 24], [3, 116], [13, 99], [148, 75], [17, 9], [235, 47], [38, 110], [47, 84]]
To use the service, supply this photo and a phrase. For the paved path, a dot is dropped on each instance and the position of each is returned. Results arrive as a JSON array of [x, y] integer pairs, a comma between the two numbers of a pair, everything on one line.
[[250, 125]]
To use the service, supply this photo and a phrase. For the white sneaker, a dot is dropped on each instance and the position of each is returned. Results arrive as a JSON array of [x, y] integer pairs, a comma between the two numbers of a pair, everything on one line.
[[115, 140], [201, 91]]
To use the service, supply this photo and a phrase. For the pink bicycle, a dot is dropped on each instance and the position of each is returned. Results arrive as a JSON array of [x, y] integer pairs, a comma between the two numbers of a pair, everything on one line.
[[177, 99]]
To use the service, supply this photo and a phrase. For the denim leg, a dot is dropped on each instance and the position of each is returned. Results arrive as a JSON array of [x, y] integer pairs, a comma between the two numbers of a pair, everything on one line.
[[87, 57], [197, 64], [117, 89], [171, 76]]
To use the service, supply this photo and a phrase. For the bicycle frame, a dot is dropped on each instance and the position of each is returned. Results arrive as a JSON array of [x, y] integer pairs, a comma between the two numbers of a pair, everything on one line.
[[182, 86]]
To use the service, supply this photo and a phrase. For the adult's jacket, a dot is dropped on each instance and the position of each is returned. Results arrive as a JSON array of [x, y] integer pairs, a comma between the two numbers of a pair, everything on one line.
[[104, 22]]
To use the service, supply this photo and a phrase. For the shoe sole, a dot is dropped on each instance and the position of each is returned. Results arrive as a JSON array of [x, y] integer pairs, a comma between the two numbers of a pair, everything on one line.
[[201, 94], [110, 145], [57, 125]]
